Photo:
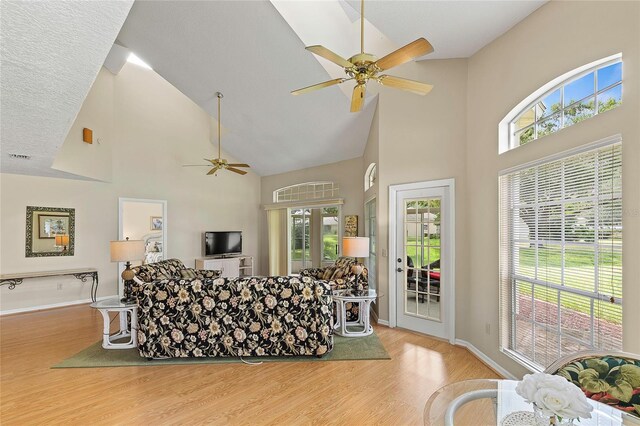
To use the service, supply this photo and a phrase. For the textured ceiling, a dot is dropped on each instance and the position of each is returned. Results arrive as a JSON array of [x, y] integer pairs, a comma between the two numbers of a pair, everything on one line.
[[51, 53], [253, 52]]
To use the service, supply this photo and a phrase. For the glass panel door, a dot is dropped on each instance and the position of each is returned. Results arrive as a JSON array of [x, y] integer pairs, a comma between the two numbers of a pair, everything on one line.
[[422, 249], [300, 255], [371, 232], [330, 230], [423, 288]]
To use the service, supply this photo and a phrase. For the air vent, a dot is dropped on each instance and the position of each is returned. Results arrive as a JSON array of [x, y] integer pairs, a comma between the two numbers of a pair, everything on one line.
[[20, 156]]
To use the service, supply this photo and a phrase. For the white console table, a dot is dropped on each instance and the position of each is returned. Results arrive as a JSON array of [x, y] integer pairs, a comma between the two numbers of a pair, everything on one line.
[[237, 266]]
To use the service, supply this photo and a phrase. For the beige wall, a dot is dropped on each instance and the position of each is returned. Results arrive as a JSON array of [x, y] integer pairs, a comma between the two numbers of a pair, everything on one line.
[[423, 138], [136, 219], [501, 75], [155, 130], [347, 174]]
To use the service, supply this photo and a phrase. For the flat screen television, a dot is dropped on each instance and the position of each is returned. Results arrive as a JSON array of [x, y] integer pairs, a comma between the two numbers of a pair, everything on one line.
[[221, 243]]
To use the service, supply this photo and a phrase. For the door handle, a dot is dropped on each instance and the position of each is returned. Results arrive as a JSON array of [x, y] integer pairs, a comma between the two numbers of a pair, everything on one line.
[[399, 270]]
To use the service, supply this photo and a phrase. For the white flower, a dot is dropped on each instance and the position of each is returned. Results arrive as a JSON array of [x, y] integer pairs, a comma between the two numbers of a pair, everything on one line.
[[554, 395]]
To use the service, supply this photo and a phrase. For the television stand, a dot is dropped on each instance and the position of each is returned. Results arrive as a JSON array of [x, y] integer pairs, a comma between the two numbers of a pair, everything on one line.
[[230, 267]]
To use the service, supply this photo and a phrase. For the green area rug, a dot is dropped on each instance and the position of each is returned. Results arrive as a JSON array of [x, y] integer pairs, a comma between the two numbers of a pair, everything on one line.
[[344, 349]]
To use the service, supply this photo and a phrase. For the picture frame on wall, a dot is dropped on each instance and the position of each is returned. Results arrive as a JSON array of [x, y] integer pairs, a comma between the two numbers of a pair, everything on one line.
[[351, 226], [50, 225], [156, 223]]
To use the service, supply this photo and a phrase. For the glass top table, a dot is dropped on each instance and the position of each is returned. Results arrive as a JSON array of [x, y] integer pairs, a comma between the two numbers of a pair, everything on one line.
[[495, 402], [351, 293], [111, 303]]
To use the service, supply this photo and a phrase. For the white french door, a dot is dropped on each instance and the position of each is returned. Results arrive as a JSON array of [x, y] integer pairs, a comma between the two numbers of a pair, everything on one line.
[[422, 265]]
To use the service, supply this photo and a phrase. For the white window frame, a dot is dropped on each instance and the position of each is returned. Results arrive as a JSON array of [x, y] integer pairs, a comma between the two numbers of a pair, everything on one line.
[[508, 275], [306, 191], [370, 176], [506, 127]]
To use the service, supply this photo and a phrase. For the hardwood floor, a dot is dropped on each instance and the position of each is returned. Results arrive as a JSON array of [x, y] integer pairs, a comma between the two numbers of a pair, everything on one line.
[[342, 392]]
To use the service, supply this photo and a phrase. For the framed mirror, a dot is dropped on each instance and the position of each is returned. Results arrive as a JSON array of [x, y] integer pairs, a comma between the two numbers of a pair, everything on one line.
[[50, 231]]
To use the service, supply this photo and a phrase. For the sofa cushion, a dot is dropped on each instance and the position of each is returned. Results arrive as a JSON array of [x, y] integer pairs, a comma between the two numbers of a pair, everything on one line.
[[188, 273], [608, 379], [328, 272]]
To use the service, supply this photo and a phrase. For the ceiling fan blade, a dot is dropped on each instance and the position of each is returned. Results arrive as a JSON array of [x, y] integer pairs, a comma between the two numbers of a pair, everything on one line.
[[318, 86], [238, 171], [212, 171], [327, 54], [358, 97], [210, 161], [238, 165], [196, 165], [405, 84], [417, 48]]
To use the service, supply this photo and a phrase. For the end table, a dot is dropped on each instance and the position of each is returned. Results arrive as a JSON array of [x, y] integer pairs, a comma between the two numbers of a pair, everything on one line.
[[363, 324], [128, 315]]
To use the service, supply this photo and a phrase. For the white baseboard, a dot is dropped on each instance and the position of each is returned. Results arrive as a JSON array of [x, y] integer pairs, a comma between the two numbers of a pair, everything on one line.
[[378, 320], [484, 358], [51, 306]]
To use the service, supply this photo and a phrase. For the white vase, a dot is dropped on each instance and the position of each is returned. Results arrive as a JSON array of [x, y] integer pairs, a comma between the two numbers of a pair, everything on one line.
[[544, 420]]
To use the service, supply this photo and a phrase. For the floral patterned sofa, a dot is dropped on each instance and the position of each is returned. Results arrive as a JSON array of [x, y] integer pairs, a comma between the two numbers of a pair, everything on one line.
[[612, 379], [230, 317], [339, 277]]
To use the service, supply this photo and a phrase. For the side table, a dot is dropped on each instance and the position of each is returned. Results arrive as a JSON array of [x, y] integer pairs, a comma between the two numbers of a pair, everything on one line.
[[128, 316], [363, 324]]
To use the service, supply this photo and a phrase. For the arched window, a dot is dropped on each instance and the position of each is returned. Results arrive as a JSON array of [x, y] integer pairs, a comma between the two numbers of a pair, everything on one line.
[[370, 176], [306, 191], [567, 100]]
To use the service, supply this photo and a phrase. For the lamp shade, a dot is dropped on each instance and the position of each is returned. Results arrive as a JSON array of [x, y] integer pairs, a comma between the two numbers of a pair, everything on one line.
[[62, 240], [355, 246], [127, 250]]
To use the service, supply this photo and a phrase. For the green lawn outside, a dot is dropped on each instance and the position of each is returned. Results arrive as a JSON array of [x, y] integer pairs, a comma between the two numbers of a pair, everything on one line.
[[415, 249], [579, 270]]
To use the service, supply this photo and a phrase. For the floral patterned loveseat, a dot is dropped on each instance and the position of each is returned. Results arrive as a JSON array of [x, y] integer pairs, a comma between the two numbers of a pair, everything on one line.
[[230, 317], [339, 277], [610, 379]]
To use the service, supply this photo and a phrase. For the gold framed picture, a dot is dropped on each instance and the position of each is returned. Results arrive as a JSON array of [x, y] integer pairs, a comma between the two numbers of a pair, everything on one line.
[[351, 225]]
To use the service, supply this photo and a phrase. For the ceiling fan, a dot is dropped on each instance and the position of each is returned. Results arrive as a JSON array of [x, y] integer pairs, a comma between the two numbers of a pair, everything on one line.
[[363, 67], [220, 163]]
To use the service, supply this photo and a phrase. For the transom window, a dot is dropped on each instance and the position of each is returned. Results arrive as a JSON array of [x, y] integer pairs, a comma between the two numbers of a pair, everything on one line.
[[561, 256], [306, 191], [370, 176], [580, 95]]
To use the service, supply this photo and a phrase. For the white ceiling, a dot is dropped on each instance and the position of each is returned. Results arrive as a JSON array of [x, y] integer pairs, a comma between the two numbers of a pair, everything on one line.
[[51, 53], [253, 52]]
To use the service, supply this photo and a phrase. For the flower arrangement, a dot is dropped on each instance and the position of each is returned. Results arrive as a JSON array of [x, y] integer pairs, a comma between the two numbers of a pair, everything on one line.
[[554, 397]]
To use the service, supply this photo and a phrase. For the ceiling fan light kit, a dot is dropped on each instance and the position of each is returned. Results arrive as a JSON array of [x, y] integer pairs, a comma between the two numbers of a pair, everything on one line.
[[220, 163], [363, 67]]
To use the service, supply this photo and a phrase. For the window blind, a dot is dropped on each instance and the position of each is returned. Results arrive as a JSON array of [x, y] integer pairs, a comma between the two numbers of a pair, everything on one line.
[[561, 256]]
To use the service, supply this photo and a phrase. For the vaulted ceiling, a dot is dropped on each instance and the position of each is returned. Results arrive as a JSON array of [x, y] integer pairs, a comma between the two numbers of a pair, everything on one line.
[[251, 51]]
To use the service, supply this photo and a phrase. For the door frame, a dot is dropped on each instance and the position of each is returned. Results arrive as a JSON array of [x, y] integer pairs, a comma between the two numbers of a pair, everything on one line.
[[121, 201], [449, 270], [312, 206]]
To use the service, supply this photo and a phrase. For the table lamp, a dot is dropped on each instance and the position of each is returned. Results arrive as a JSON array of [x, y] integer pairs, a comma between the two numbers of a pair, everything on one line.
[[126, 251], [62, 240], [357, 247]]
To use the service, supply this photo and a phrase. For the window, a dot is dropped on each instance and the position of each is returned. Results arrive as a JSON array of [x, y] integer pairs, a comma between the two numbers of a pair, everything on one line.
[[561, 256], [370, 176], [569, 99], [306, 191], [371, 232]]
